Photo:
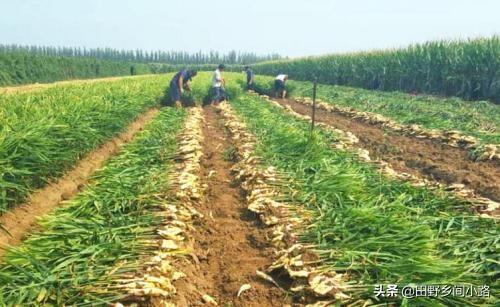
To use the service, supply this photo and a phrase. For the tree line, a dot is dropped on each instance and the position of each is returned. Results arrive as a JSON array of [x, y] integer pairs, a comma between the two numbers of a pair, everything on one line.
[[143, 56]]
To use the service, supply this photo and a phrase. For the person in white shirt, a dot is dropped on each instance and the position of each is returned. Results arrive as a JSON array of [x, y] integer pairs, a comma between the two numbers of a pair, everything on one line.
[[217, 85], [279, 85]]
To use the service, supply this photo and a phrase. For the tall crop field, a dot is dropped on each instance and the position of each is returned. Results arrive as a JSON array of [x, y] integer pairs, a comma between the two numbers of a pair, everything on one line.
[[468, 69], [25, 68]]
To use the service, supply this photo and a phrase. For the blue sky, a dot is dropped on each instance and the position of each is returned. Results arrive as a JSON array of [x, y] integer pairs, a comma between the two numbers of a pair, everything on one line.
[[288, 27]]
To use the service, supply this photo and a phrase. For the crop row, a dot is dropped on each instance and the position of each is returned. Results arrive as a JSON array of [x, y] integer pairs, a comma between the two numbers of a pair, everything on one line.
[[44, 133], [83, 248], [479, 119], [373, 229]]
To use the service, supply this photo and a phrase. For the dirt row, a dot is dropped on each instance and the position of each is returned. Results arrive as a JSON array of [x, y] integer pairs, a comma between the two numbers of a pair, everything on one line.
[[20, 220], [230, 244], [426, 158]]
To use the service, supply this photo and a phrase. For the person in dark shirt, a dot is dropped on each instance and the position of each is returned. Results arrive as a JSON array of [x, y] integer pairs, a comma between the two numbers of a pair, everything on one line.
[[179, 83], [250, 78]]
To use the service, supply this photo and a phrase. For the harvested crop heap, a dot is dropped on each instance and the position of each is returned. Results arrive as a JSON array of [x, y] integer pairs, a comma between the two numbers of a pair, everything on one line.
[[286, 221], [154, 284]]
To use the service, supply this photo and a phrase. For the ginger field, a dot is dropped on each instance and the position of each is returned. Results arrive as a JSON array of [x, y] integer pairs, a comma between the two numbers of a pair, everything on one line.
[[108, 198]]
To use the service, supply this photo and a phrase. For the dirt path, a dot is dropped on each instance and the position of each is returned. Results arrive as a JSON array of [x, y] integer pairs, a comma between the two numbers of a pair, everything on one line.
[[229, 243], [38, 86], [21, 219], [426, 158]]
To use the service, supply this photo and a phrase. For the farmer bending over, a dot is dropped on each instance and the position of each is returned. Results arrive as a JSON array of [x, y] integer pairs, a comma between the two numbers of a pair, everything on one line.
[[250, 78], [217, 85], [279, 85], [180, 82]]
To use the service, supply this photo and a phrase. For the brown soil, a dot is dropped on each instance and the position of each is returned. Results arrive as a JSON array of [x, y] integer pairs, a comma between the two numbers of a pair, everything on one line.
[[427, 158], [229, 244], [39, 86], [21, 219]]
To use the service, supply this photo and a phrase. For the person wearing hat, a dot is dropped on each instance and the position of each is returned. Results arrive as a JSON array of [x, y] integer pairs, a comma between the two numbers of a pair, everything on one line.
[[217, 85], [178, 84], [250, 78], [279, 85]]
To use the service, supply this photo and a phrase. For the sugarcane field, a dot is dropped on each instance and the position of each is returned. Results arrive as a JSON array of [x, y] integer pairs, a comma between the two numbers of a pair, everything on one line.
[[228, 153]]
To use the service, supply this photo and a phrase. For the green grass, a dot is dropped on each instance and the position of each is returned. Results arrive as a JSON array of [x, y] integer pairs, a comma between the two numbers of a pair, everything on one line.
[[70, 258], [44, 133], [376, 230]]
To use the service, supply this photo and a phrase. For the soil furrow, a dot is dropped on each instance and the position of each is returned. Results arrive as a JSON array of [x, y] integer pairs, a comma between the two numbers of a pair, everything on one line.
[[427, 158], [22, 219], [229, 243]]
